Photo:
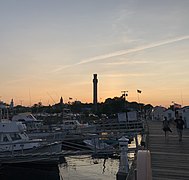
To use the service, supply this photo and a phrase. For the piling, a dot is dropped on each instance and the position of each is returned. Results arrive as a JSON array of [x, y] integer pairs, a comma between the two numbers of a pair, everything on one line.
[[123, 164]]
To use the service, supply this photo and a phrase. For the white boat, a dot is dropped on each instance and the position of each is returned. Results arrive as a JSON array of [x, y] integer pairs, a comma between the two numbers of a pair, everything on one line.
[[74, 126], [15, 142], [29, 120], [98, 145], [36, 129], [13, 137]]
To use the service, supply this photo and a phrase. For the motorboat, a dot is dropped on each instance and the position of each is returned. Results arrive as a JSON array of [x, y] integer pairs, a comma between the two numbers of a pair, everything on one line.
[[36, 129], [14, 141], [98, 146], [74, 126], [29, 120], [13, 137]]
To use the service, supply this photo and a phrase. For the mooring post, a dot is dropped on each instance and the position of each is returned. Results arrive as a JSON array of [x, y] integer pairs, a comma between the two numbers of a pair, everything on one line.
[[144, 169], [123, 164], [136, 141]]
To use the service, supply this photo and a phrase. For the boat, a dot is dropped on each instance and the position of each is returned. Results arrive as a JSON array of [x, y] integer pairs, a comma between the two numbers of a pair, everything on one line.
[[29, 120], [14, 138], [75, 127], [16, 146], [96, 144], [99, 147], [36, 129]]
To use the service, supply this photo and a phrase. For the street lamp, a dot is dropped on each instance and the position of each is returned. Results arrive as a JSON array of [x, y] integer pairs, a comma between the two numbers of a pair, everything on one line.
[[124, 94]]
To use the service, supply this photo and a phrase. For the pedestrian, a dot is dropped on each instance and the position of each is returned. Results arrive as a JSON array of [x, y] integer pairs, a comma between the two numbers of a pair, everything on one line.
[[179, 125], [166, 127]]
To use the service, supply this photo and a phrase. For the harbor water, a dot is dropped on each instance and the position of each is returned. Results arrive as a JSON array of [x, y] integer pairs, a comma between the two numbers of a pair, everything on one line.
[[81, 167], [74, 168], [87, 168]]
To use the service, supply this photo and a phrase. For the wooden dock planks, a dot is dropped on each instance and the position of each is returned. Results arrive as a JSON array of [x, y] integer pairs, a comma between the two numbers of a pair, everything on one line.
[[170, 158]]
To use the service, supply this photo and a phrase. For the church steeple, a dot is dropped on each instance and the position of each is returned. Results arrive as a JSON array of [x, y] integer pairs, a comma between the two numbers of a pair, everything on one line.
[[11, 104], [61, 100]]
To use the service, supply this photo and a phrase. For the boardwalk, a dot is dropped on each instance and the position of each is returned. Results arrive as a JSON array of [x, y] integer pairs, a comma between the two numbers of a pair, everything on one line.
[[170, 158]]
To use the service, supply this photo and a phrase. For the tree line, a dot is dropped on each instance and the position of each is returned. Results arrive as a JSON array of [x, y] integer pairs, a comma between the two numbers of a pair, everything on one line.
[[109, 106]]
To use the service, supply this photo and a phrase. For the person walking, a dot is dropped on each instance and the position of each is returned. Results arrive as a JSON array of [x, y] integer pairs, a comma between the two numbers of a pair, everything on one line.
[[179, 125], [166, 127]]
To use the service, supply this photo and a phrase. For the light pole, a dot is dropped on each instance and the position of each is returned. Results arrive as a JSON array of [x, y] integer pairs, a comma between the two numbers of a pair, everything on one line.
[[124, 94]]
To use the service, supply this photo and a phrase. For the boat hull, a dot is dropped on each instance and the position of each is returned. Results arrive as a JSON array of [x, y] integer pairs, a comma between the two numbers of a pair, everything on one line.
[[49, 153]]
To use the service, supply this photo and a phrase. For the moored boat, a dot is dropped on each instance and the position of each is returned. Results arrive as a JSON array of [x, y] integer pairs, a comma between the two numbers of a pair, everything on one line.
[[36, 129], [16, 146], [74, 126]]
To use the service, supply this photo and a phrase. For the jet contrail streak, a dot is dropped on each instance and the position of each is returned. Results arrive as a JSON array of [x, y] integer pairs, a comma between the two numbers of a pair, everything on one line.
[[125, 52]]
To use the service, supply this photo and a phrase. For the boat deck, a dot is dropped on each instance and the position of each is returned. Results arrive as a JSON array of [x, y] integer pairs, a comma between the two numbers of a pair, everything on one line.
[[170, 158]]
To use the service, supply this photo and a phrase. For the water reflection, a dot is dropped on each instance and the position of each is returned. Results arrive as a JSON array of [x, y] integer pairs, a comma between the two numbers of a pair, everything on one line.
[[29, 172], [74, 168], [88, 168], [82, 167]]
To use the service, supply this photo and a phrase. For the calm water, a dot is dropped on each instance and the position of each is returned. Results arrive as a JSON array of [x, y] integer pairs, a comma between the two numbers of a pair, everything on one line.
[[75, 168], [86, 168], [28, 172]]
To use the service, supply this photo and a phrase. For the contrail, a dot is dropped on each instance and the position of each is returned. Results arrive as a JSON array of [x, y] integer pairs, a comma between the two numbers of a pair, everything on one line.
[[125, 52]]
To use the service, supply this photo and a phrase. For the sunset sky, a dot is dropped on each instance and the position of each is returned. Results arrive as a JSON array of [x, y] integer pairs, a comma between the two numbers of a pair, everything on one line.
[[52, 48]]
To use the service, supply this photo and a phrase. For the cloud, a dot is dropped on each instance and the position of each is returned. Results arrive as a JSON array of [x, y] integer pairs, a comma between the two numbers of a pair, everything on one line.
[[125, 52]]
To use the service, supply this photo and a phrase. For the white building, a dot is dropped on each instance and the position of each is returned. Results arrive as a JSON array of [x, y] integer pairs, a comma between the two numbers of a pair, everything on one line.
[[129, 116], [184, 112], [158, 113], [170, 114]]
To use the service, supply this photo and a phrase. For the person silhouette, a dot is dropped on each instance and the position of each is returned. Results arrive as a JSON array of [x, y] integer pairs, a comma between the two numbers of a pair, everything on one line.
[[166, 127], [179, 125]]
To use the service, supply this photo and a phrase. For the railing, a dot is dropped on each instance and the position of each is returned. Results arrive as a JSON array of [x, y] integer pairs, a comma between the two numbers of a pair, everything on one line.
[[121, 126]]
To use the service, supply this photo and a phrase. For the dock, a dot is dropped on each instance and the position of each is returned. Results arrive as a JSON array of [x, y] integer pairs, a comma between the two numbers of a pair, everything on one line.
[[169, 157]]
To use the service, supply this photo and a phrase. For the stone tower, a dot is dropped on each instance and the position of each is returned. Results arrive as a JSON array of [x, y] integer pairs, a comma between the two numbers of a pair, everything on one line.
[[95, 82]]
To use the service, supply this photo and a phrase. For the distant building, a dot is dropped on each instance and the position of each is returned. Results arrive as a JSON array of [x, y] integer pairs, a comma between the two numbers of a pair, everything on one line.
[[184, 112], [129, 116], [170, 114], [158, 113]]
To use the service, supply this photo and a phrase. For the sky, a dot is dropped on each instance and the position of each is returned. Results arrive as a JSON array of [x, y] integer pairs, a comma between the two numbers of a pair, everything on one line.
[[50, 49]]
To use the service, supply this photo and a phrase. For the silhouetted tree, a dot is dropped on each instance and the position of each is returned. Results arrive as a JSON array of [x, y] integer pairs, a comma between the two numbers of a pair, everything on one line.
[[112, 106]]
